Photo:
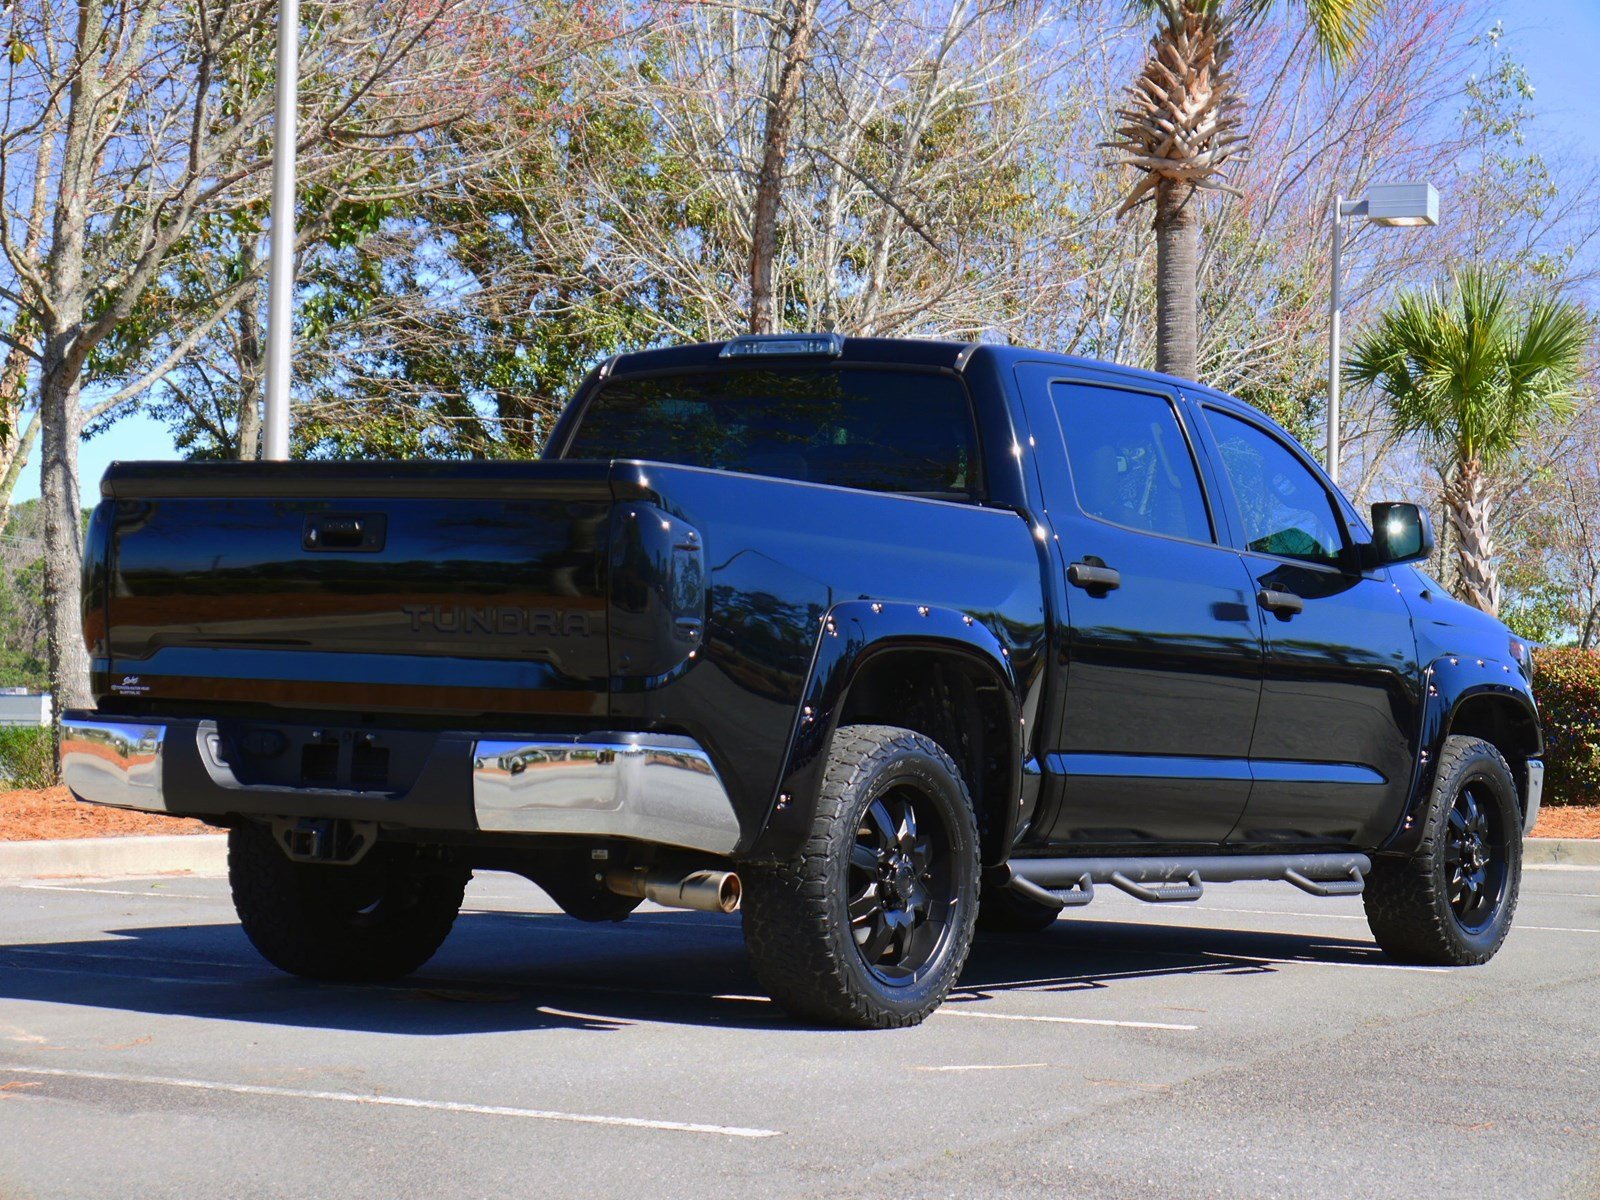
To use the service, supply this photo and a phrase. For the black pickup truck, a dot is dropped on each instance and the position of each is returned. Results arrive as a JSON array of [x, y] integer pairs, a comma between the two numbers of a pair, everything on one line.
[[887, 639]]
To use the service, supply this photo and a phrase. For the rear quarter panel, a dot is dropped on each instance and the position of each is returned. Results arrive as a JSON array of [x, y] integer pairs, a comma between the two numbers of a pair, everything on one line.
[[780, 555]]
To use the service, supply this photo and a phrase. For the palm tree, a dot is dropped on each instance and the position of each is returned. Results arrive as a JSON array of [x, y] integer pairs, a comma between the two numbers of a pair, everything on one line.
[[1474, 371], [1184, 122]]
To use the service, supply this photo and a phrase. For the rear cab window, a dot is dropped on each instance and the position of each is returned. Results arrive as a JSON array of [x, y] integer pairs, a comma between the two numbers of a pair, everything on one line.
[[883, 430], [1131, 464]]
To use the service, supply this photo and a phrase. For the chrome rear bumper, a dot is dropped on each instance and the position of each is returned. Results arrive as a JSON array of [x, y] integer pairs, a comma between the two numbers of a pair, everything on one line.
[[651, 788], [657, 789], [114, 762]]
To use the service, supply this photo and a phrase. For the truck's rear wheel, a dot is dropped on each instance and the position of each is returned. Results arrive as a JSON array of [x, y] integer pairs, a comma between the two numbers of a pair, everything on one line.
[[1451, 902], [870, 925], [379, 919]]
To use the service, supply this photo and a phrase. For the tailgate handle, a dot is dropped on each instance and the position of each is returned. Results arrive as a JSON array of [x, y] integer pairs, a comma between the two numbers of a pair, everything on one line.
[[344, 531]]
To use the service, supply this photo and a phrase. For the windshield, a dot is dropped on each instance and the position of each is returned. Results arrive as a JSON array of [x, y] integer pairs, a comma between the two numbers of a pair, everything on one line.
[[883, 430]]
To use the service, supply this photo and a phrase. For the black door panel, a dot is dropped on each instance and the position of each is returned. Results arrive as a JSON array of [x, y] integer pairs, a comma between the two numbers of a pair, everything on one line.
[[1163, 650], [1332, 746], [1332, 750]]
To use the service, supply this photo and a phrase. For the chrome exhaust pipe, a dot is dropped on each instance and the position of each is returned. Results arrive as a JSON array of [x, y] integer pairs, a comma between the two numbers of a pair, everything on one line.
[[703, 891]]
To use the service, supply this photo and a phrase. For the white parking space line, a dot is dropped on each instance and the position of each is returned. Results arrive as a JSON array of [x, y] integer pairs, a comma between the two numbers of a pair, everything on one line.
[[1278, 912], [986, 1067], [100, 891], [1549, 929], [493, 1110], [1249, 959], [129, 959], [185, 980], [424, 984], [593, 1018], [947, 1011], [1273, 912]]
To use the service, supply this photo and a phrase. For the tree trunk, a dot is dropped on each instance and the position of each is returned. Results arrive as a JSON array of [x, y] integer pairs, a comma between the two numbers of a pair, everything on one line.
[[13, 467], [782, 100], [16, 438], [1470, 506], [62, 421], [1177, 226], [252, 369]]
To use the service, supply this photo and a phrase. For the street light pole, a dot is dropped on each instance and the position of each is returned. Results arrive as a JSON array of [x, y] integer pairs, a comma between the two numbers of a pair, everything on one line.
[[280, 285], [1403, 205], [1333, 342]]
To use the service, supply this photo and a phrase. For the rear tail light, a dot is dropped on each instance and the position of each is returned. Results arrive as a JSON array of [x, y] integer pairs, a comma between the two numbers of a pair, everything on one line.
[[658, 591]]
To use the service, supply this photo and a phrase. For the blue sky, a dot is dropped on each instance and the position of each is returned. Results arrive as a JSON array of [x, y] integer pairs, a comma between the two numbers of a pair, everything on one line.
[[1556, 39]]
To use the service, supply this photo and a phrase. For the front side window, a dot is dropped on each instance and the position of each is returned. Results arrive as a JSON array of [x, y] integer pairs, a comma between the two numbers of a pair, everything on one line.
[[1130, 462], [882, 430], [1286, 510]]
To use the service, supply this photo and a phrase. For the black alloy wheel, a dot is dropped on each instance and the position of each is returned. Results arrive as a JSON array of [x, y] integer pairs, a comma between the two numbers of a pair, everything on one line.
[[901, 885], [1474, 856]]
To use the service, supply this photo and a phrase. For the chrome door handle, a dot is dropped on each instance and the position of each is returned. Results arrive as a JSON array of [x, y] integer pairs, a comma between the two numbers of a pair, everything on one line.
[[1092, 578], [1285, 604]]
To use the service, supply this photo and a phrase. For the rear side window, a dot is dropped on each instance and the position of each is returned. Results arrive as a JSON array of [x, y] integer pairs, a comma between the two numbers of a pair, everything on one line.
[[1131, 464], [885, 431], [1286, 510]]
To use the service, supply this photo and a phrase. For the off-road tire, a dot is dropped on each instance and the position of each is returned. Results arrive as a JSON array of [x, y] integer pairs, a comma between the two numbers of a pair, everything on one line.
[[796, 917], [1001, 910], [379, 919], [1408, 899]]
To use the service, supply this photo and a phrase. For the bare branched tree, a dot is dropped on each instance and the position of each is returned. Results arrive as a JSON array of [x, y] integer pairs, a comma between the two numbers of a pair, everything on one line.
[[126, 123]]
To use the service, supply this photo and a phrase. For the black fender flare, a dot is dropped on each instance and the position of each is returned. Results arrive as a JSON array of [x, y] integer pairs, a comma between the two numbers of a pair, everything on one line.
[[1449, 682], [850, 635]]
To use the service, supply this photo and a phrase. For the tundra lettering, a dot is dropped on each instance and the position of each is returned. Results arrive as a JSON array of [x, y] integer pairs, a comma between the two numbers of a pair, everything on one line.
[[496, 619]]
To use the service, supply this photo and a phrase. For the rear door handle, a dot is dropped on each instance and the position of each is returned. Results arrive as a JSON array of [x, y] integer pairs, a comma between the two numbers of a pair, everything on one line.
[[1285, 604], [1092, 578]]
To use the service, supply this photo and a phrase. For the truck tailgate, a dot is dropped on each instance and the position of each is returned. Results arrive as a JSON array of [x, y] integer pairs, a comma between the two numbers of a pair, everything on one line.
[[425, 588]]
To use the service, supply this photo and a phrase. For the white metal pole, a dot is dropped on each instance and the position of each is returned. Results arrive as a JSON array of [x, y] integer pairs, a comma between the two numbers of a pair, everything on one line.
[[280, 287], [1333, 342]]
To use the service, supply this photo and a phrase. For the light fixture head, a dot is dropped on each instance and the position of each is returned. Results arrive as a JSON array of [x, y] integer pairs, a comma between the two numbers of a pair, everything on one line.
[[1403, 204]]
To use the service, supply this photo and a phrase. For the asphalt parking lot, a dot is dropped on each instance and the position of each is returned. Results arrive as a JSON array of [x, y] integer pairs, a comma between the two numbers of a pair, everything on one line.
[[1255, 1044]]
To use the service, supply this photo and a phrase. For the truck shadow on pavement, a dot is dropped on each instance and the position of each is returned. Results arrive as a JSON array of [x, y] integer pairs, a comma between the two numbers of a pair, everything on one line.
[[502, 971]]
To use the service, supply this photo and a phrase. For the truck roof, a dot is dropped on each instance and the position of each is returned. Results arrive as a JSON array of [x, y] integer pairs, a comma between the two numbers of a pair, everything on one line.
[[919, 352]]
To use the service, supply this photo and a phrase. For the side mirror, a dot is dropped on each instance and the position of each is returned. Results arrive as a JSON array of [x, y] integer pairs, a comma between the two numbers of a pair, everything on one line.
[[1401, 533]]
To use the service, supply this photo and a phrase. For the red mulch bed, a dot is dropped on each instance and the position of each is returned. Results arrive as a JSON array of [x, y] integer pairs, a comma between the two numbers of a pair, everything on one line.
[[26, 816], [53, 813], [1568, 821]]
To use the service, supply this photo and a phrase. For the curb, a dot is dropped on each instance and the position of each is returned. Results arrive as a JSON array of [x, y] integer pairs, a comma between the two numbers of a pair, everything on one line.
[[194, 854], [207, 854], [1570, 852]]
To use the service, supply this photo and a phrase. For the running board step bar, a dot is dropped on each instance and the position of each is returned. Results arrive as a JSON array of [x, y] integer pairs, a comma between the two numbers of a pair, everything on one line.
[[1069, 882]]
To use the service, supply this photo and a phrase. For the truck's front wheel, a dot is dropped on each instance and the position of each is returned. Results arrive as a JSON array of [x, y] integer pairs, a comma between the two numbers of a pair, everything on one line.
[[1451, 902], [379, 919], [870, 925]]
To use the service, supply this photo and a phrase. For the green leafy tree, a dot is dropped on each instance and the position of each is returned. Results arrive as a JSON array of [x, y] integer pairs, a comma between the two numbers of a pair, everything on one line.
[[1183, 123], [463, 325], [1474, 371], [24, 656]]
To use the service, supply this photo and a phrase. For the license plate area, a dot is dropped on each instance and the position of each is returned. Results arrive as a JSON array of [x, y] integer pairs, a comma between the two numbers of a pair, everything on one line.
[[319, 757]]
